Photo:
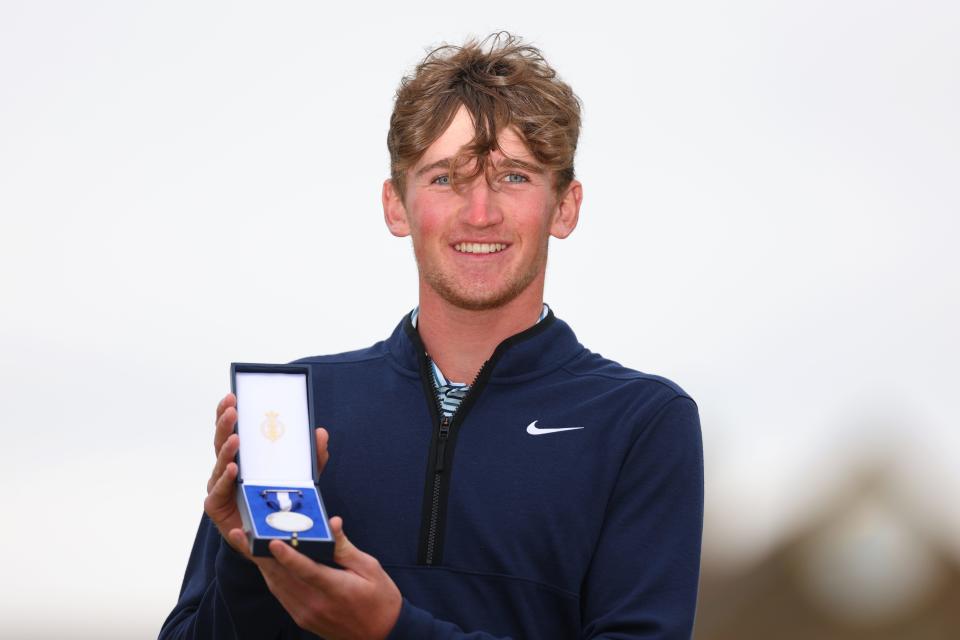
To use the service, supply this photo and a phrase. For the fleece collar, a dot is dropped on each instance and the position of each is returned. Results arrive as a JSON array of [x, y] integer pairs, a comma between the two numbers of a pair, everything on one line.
[[536, 351]]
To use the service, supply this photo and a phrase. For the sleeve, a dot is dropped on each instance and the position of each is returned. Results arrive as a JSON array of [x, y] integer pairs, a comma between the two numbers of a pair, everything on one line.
[[223, 596], [417, 624], [642, 580]]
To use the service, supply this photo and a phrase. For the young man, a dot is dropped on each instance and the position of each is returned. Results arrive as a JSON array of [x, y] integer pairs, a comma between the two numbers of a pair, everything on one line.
[[556, 495]]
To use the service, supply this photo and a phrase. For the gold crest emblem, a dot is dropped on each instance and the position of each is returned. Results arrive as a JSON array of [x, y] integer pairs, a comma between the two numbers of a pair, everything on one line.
[[271, 428]]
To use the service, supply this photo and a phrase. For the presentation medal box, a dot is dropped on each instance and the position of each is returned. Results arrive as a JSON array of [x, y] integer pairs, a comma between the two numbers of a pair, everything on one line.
[[277, 492]]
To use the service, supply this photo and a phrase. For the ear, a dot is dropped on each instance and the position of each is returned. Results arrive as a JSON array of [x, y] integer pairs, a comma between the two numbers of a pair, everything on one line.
[[394, 211], [568, 211]]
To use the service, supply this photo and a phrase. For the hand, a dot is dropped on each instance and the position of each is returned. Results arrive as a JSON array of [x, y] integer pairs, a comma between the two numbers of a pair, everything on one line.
[[221, 503], [358, 601]]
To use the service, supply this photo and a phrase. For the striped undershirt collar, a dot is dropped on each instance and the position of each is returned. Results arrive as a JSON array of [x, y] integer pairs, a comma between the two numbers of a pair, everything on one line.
[[438, 376]]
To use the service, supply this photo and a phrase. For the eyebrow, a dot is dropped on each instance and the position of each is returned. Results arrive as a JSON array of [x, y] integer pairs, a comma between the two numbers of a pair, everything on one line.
[[515, 163], [439, 164], [506, 163]]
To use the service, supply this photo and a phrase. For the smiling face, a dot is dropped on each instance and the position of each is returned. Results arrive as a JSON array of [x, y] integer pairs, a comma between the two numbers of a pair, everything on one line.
[[483, 244]]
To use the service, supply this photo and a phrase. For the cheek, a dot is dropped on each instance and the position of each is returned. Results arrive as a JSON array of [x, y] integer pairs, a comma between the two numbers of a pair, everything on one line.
[[425, 217], [537, 212]]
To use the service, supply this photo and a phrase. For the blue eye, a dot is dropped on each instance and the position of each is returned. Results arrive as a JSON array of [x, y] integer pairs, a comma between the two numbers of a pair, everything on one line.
[[441, 180], [515, 178]]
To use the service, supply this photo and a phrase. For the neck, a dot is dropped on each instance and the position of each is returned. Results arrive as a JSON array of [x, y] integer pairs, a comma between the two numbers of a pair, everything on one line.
[[461, 340]]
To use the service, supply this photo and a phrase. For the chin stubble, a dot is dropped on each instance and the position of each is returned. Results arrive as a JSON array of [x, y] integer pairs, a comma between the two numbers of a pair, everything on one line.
[[447, 288]]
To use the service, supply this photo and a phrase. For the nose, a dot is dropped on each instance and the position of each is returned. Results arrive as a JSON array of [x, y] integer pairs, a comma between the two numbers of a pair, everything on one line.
[[480, 207]]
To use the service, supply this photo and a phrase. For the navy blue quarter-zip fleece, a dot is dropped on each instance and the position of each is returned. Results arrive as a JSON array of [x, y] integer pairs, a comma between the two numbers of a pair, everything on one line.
[[563, 500]]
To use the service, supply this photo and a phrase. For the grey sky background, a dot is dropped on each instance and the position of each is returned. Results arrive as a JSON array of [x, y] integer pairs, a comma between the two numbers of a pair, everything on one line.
[[770, 219]]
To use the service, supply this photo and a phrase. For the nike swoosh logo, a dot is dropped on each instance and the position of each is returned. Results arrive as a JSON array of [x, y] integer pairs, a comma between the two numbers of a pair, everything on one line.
[[534, 430]]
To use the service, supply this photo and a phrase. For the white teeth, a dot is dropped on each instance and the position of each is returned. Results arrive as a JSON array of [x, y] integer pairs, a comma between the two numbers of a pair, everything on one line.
[[476, 247]]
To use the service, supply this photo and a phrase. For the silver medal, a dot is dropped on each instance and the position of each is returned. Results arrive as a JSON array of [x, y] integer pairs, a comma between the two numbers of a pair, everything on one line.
[[290, 521]]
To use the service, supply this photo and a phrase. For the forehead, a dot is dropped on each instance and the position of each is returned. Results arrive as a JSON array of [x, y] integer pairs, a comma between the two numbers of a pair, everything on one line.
[[461, 132]]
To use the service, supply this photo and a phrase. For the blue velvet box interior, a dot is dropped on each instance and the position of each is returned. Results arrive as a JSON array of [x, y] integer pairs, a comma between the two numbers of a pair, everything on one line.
[[309, 506], [278, 452]]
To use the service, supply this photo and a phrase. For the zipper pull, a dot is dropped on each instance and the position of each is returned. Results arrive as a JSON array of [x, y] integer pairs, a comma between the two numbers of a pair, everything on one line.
[[442, 443]]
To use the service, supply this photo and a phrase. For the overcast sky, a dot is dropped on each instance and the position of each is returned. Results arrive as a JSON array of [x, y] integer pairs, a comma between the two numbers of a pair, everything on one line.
[[770, 219]]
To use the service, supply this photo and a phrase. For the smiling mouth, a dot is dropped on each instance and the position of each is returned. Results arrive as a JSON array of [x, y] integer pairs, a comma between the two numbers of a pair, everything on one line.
[[478, 247]]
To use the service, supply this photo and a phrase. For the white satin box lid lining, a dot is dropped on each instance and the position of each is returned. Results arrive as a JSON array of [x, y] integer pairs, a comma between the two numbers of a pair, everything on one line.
[[274, 429]]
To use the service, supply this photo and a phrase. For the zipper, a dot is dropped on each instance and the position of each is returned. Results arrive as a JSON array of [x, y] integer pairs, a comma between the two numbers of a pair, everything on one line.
[[444, 439], [442, 435], [441, 478]]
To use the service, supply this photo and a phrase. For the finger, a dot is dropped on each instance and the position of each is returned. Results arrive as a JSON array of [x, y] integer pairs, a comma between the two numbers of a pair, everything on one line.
[[347, 555], [227, 453], [238, 540], [287, 587], [221, 495], [299, 565], [228, 400], [293, 593], [225, 424], [323, 453]]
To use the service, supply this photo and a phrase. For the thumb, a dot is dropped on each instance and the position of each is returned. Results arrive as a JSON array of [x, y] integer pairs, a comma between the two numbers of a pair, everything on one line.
[[346, 554], [323, 453]]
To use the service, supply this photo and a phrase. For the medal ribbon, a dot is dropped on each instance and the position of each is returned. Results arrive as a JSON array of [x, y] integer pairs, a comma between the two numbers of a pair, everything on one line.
[[283, 501]]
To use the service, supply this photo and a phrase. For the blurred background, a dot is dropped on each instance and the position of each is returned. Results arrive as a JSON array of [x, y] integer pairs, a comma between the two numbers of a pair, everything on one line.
[[770, 219]]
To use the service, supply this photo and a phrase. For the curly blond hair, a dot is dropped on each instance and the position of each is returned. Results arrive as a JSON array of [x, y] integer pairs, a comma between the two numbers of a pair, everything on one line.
[[503, 83]]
